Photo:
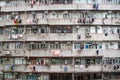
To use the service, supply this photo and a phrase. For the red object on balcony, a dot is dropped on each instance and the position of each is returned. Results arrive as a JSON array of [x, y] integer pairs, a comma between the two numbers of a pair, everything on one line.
[[15, 21]]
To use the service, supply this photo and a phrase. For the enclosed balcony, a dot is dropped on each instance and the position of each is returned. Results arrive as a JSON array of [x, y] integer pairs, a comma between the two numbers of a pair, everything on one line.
[[111, 64], [60, 49], [53, 64], [58, 33], [61, 18]]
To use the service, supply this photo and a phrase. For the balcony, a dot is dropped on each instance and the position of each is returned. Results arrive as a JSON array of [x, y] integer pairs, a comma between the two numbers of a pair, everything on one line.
[[25, 22], [8, 67], [60, 37], [51, 37], [111, 68], [98, 37], [92, 52], [53, 68], [87, 53], [37, 53], [109, 7], [88, 68], [111, 21], [50, 53], [60, 7], [70, 21], [62, 52], [46, 7]]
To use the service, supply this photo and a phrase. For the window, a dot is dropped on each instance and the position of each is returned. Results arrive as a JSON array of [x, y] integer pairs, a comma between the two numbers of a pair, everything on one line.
[[32, 45], [1, 31], [20, 30], [56, 61], [77, 61], [42, 29], [55, 45], [89, 45], [43, 46], [6, 46], [9, 75], [1, 61], [34, 30], [93, 29], [87, 61], [28, 31], [98, 45], [18, 45], [111, 60], [35, 45], [64, 46], [42, 61], [77, 46], [111, 45], [1, 17], [92, 61], [20, 61], [98, 60], [67, 61], [32, 77]]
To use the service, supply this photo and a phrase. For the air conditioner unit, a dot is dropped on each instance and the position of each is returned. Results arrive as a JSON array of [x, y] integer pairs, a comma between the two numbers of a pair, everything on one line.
[[87, 35], [7, 53]]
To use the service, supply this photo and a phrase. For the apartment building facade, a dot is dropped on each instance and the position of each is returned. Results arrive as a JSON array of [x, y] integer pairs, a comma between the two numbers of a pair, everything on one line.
[[59, 39]]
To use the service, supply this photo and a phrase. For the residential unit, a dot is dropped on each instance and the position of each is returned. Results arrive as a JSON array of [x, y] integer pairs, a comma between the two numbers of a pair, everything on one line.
[[59, 39]]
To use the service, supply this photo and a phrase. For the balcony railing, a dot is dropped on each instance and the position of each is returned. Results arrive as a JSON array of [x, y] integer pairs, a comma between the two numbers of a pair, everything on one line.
[[60, 7], [62, 52], [70, 21], [61, 37], [53, 68], [88, 68]]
